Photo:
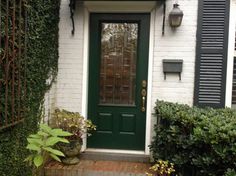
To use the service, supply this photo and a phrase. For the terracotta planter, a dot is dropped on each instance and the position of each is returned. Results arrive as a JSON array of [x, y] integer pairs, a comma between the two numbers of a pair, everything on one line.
[[71, 151]]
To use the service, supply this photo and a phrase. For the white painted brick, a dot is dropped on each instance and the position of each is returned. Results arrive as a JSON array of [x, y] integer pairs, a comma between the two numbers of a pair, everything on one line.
[[175, 44], [69, 80], [178, 44]]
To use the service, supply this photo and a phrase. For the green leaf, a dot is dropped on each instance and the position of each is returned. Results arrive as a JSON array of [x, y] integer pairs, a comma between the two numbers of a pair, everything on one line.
[[52, 141], [38, 160], [41, 133], [35, 141], [35, 136], [55, 157], [45, 128], [60, 132], [64, 140], [54, 151], [33, 147]]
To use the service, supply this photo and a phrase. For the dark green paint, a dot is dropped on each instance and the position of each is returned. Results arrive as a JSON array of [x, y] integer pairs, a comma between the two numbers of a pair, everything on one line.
[[121, 127]]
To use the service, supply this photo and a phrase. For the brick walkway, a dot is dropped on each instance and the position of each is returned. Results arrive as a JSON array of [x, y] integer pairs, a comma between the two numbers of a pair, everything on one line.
[[97, 168]]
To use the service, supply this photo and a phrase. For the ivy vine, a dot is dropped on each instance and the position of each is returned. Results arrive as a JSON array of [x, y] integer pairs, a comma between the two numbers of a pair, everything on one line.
[[40, 65]]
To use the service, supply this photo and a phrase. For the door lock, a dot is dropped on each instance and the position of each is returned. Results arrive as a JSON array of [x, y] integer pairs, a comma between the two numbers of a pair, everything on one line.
[[144, 83], [144, 95]]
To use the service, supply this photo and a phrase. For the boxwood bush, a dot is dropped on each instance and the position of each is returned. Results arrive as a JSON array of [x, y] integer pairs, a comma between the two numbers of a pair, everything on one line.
[[201, 142]]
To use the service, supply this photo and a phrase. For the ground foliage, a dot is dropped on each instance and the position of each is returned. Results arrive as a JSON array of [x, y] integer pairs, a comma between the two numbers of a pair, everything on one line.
[[40, 66], [198, 141]]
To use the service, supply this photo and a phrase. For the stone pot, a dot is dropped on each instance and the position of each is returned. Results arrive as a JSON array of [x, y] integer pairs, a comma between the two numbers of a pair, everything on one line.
[[71, 151]]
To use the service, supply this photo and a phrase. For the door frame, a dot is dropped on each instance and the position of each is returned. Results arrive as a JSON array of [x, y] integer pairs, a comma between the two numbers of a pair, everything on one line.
[[116, 7], [231, 54]]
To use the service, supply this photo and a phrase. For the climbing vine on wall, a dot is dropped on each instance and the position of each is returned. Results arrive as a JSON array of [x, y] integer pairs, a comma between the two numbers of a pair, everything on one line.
[[28, 66]]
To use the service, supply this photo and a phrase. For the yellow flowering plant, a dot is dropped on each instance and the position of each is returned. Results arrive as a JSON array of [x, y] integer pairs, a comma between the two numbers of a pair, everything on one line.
[[161, 168]]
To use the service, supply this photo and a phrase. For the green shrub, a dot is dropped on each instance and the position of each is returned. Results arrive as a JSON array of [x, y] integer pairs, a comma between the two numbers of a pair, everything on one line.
[[199, 141], [230, 172]]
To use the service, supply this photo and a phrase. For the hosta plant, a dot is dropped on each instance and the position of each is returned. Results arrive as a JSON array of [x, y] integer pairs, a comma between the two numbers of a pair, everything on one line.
[[41, 145]]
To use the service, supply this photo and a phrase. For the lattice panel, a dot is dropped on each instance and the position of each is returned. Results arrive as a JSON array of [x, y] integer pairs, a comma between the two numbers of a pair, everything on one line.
[[12, 83]]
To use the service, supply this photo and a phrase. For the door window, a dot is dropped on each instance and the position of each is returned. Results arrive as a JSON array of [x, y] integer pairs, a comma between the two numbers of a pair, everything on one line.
[[118, 63]]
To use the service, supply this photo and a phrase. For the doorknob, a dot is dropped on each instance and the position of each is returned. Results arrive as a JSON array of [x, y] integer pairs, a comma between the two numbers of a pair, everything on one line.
[[144, 95]]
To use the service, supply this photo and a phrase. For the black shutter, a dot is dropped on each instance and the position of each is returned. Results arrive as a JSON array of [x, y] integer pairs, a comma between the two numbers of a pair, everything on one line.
[[211, 53], [234, 83], [235, 42]]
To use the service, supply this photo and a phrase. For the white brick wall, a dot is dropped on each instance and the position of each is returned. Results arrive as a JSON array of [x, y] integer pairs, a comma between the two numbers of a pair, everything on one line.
[[175, 44], [69, 80], [49, 103]]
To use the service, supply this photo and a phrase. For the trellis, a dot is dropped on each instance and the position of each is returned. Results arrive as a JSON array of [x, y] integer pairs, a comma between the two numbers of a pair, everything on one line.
[[12, 56]]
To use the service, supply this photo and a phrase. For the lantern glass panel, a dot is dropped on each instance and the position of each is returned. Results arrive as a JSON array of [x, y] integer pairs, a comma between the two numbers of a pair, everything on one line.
[[175, 21]]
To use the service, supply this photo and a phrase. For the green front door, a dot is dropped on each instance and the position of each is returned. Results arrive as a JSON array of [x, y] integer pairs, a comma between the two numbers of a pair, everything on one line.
[[118, 66]]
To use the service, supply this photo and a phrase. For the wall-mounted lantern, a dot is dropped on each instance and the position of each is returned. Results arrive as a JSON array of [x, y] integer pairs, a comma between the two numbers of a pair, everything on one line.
[[176, 16]]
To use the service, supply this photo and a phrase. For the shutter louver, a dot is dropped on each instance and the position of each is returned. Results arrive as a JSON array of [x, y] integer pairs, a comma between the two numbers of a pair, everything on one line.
[[235, 43], [211, 56], [234, 83]]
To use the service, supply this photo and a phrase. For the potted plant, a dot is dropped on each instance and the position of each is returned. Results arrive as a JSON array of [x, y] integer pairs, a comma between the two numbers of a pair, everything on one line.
[[76, 124]]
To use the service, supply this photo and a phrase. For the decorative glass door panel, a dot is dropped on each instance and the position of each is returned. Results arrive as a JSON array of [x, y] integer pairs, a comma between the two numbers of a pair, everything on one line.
[[118, 60], [118, 63]]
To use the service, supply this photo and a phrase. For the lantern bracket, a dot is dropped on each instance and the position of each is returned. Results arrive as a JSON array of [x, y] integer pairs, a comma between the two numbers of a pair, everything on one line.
[[164, 18]]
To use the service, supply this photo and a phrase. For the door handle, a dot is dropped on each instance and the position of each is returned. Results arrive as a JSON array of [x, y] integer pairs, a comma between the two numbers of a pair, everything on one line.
[[144, 95]]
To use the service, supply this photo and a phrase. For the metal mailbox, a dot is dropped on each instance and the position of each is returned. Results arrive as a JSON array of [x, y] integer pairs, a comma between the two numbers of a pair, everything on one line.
[[172, 66]]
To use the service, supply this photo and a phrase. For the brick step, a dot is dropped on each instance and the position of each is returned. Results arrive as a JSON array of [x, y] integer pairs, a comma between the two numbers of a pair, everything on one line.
[[89, 155], [97, 168]]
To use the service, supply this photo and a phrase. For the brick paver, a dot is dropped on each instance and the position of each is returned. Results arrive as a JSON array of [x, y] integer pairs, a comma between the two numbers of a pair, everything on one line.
[[97, 168]]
